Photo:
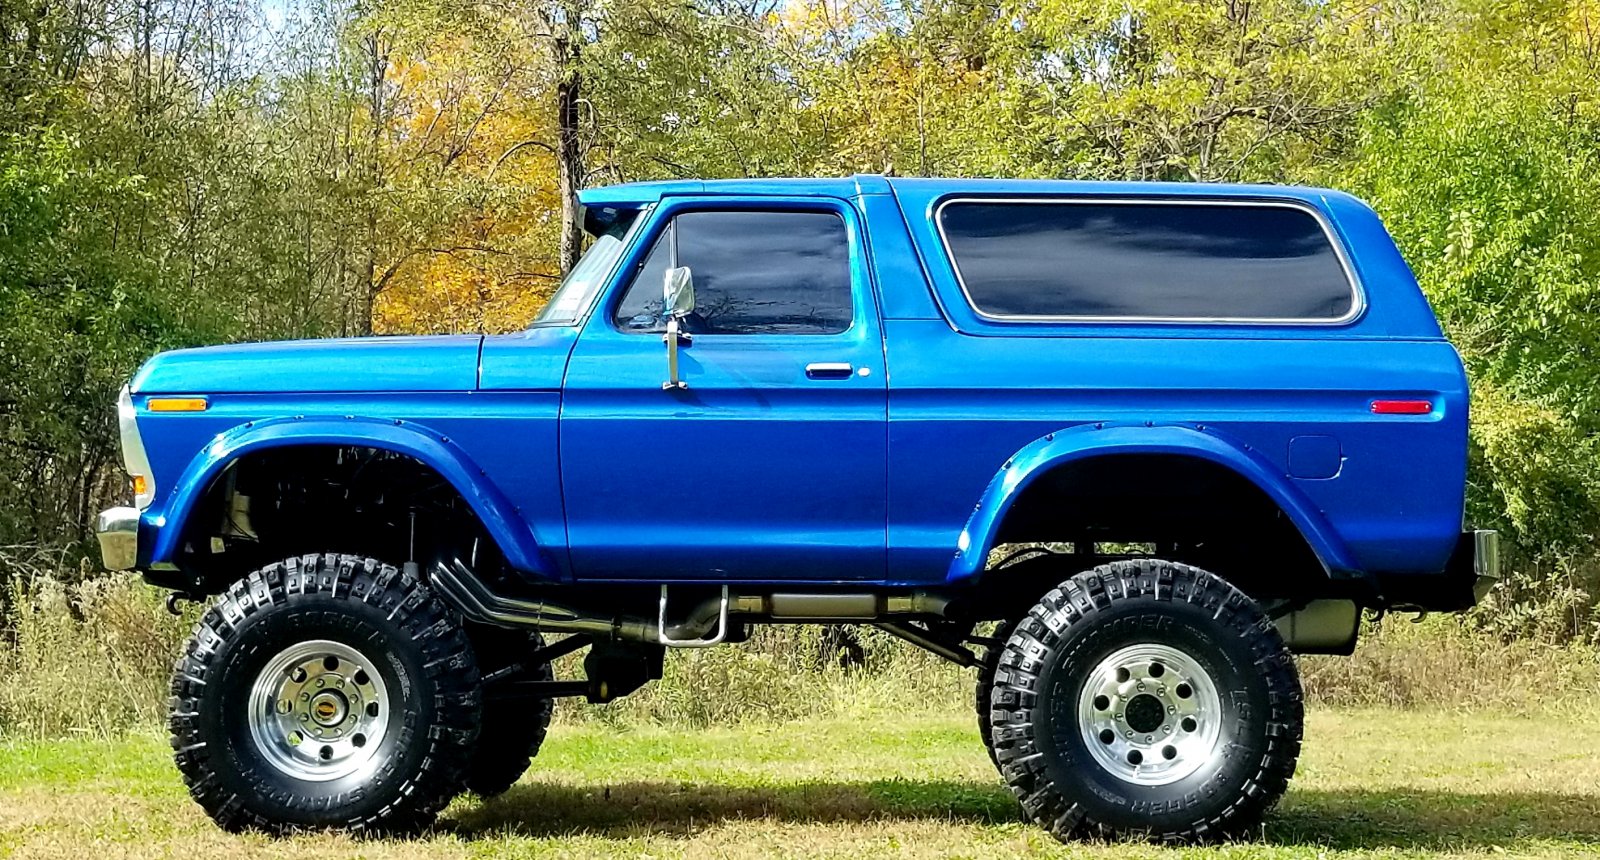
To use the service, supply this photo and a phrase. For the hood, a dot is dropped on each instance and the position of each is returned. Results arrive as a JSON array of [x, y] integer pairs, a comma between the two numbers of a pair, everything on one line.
[[367, 364]]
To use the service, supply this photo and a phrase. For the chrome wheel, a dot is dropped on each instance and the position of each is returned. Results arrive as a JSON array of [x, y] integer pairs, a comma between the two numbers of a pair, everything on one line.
[[319, 710], [1150, 715]]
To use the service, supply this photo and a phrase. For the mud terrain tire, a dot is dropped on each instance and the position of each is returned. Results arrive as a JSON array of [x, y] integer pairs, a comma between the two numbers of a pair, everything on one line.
[[1180, 680], [284, 638]]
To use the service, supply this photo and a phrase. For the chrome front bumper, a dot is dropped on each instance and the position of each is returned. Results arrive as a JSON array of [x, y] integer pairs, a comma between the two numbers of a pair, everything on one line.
[[118, 530]]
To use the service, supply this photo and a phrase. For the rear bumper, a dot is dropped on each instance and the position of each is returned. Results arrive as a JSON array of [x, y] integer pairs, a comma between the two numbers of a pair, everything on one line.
[[1473, 568], [1485, 561], [118, 531]]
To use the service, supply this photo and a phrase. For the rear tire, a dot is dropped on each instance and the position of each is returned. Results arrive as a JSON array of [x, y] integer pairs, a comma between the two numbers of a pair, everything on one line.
[[1146, 698], [984, 692], [327, 692]]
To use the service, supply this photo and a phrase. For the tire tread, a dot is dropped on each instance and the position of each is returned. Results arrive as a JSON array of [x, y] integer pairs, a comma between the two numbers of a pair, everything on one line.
[[447, 661], [1077, 602]]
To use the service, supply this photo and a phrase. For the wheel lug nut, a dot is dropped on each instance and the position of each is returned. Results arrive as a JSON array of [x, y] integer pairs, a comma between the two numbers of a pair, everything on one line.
[[305, 718], [322, 682]]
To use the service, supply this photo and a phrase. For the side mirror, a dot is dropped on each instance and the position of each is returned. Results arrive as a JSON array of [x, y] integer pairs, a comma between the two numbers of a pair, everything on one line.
[[677, 302], [677, 294]]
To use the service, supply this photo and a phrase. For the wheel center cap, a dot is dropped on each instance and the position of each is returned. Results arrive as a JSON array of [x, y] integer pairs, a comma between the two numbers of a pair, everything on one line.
[[329, 708], [1144, 713]]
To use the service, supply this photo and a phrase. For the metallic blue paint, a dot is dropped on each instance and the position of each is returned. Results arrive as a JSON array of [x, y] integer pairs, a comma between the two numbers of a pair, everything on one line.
[[440, 363], [754, 472], [563, 441], [1055, 450], [498, 450], [532, 360]]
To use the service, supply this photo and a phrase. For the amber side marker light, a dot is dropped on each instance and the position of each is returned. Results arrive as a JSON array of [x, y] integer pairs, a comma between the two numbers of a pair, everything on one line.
[[140, 485], [1401, 407], [176, 404]]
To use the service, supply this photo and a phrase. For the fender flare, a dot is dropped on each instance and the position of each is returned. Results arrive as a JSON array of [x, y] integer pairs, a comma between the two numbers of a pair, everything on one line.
[[515, 536], [1097, 440]]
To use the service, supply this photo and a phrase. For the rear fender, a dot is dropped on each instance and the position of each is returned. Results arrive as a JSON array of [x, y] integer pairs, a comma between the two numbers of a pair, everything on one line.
[[515, 537], [1096, 440]]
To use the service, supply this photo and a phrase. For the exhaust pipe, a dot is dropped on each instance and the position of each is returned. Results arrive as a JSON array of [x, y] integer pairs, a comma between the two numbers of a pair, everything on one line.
[[457, 584]]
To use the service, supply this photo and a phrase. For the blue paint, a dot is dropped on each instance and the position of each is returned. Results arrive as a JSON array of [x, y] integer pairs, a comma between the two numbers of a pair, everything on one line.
[[581, 466], [1314, 457]]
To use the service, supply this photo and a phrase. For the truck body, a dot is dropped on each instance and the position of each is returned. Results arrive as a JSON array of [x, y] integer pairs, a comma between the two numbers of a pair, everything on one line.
[[917, 403]]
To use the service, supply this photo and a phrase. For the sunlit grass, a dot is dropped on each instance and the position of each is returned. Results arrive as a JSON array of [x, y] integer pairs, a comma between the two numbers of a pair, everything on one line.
[[1372, 782]]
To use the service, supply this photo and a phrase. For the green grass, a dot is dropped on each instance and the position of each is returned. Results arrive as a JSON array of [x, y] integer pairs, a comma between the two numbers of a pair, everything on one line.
[[1372, 783]]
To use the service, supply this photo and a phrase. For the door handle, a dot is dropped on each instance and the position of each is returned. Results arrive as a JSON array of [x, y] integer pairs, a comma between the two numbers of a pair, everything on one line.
[[829, 370]]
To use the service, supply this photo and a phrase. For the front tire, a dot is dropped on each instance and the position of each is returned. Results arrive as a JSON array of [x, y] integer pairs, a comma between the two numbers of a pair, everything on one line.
[[1146, 698], [325, 692]]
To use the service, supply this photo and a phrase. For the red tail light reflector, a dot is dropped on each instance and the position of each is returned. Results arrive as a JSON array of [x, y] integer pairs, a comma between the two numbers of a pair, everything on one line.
[[1401, 407]]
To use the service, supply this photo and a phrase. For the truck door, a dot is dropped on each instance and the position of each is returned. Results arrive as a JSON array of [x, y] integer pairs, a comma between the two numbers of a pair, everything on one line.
[[771, 463]]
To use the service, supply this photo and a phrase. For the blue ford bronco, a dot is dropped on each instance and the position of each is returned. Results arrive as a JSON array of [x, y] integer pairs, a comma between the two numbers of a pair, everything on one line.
[[1123, 448]]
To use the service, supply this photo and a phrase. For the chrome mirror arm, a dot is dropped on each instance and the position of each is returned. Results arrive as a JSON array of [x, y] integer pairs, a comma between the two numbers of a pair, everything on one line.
[[672, 337]]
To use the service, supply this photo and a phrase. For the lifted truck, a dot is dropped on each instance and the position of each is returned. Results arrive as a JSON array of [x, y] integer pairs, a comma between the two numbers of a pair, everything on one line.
[[1122, 447]]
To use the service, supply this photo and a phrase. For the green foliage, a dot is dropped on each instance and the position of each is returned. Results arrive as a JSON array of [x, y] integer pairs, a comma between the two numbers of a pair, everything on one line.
[[74, 316], [1483, 167], [195, 171]]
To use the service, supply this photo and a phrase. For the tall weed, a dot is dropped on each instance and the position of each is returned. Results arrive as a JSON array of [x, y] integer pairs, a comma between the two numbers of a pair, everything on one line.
[[93, 657], [1448, 661]]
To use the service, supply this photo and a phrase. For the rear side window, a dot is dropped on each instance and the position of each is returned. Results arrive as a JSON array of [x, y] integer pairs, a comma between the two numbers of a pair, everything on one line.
[[1136, 260]]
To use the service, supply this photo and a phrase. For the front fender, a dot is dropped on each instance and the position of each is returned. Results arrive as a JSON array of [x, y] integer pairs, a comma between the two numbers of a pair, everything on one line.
[[1096, 440], [510, 531]]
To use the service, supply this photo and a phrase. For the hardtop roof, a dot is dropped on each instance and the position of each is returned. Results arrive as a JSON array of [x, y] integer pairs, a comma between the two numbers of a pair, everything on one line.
[[636, 194]]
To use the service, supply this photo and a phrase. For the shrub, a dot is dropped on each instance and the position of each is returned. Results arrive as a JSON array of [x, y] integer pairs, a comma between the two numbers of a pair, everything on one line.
[[786, 673], [92, 658], [1450, 662]]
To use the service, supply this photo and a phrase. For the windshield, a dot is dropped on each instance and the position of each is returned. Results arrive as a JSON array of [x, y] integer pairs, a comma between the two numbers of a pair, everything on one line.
[[572, 298]]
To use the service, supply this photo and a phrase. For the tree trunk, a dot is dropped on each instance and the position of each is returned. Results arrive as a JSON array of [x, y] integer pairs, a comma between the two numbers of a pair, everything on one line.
[[569, 144], [359, 318]]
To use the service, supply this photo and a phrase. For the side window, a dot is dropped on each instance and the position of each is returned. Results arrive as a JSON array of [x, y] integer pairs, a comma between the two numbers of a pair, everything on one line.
[[754, 273], [1192, 261]]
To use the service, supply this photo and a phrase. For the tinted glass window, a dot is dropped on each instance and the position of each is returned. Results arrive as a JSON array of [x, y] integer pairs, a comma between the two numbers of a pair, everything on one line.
[[1209, 261], [577, 289], [754, 273]]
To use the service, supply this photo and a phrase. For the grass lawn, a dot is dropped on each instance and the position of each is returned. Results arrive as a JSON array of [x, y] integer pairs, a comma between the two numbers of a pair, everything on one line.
[[1372, 783]]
